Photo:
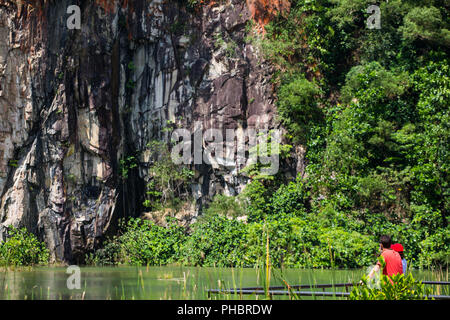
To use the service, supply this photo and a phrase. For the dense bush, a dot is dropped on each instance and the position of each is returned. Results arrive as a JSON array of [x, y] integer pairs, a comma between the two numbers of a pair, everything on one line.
[[426, 24], [372, 84], [108, 255], [298, 106], [22, 248], [216, 240], [142, 243], [398, 287], [435, 249], [346, 249]]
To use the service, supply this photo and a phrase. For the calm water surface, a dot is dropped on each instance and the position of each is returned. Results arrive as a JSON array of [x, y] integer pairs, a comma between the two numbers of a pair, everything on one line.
[[160, 282]]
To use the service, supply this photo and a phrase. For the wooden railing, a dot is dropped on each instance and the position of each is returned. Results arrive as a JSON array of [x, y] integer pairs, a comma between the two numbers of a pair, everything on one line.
[[296, 290]]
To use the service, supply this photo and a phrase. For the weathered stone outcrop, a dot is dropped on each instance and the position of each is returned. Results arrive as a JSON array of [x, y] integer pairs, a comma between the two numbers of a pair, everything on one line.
[[73, 102]]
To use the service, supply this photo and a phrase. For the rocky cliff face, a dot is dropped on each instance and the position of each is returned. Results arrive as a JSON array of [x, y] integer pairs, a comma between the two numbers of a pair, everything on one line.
[[74, 102]]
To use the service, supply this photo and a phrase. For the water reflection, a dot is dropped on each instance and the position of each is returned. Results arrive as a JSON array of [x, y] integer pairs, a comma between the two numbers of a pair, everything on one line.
[[118, 283]]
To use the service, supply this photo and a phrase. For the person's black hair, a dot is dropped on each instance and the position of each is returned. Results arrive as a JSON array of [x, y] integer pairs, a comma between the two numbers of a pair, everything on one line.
[[386, 241]]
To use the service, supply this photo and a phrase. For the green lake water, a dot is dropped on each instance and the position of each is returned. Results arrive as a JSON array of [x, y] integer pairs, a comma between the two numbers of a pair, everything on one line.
[[169, 282]]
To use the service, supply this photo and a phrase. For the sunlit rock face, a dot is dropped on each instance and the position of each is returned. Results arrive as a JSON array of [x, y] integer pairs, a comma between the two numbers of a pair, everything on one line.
[[74, 102]]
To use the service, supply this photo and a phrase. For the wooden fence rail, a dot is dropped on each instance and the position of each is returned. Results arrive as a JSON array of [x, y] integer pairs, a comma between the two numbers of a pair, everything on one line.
[[294, 290]]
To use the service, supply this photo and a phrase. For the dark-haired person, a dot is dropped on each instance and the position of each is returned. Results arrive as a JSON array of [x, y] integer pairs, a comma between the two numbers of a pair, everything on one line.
[[392, 259], [399, 248]]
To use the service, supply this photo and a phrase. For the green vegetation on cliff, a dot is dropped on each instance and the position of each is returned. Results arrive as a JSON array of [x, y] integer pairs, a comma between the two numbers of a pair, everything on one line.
[[377, 147]]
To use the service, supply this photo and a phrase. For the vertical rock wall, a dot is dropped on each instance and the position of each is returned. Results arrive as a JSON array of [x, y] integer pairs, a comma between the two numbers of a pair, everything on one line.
[[73, 102]]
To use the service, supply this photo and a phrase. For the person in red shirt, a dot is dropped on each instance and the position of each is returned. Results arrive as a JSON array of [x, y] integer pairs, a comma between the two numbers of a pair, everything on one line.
[[392, 258]]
